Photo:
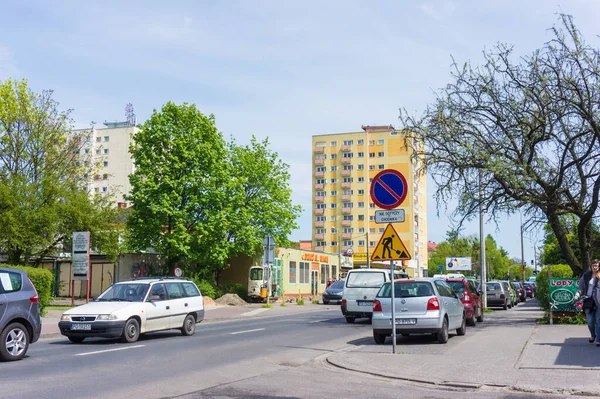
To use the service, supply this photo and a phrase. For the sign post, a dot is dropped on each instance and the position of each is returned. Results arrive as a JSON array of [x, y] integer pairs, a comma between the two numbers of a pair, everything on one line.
[[80, 262], [269, 255]]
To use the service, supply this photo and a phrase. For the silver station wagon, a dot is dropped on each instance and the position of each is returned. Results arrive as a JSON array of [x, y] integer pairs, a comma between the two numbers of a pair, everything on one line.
[[425, 305]]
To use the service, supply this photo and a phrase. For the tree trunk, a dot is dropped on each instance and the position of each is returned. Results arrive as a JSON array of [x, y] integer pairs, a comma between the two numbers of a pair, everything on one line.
[[563, 242]]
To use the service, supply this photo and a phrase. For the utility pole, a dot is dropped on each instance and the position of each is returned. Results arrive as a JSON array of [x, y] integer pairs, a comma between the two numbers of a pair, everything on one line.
[[522, 253], [482, 265], [368, 202]]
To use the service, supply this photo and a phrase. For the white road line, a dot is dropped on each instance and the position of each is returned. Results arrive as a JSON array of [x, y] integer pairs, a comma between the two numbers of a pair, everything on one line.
[[316, 321], [253, 312], [110, 350], [247, 331]]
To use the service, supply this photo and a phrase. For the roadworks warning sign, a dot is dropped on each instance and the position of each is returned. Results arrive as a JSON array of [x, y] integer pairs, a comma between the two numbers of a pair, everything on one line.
[[390, 246]]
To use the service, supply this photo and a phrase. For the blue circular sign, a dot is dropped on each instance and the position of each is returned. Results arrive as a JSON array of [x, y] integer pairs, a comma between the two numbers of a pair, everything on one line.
[[388, 189]]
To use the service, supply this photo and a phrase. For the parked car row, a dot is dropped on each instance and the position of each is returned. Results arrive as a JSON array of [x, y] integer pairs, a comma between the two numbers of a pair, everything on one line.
[[505, 294]]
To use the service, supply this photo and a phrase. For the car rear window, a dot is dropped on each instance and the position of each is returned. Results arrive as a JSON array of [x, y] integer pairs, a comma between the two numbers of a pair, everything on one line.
[[365, 280], [457, 286], [493, 286], [406, 289], [190, 290], [10, 282]]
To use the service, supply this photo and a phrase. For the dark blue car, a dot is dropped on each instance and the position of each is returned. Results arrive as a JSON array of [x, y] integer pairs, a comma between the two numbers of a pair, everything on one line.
[[333, 293]]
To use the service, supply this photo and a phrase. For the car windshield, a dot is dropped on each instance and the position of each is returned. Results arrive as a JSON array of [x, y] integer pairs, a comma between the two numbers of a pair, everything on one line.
[[338, 285], [406, 289], [492, 286], [365, 280], [133, 292], [458, 287]]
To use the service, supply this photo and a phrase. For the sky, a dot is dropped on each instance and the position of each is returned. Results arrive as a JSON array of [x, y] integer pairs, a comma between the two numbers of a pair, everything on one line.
[[282, 70]]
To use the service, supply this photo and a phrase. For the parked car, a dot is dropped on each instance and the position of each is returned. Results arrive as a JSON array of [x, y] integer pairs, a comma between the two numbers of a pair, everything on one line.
[[360, 289], [497, 295], [20, 321], [520, 290], [528, 290], [333, 293], [128, 309], [424, 305], [469, 296], [513, 294]]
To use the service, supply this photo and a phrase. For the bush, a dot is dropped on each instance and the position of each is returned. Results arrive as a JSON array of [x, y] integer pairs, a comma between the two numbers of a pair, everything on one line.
[[207, 288], [42, 280], [543, 289], [234, 288]]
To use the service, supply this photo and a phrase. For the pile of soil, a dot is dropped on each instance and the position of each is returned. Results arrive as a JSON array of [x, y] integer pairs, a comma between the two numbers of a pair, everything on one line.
[[208, 301], [230, 299]]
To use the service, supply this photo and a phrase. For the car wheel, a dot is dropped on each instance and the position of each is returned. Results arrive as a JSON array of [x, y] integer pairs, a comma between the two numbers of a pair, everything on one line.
[[131, 332], [379, 338], [463, 327], [471, 321], [76, 340], [442, 335], [505, 306], [350, 319], [14, 342], [189, 326], [480, 317]]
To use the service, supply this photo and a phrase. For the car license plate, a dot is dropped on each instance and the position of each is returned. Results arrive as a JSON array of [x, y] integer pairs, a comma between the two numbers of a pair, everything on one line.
[[86, 326], [364, 303], [491, 294], [406, 321]]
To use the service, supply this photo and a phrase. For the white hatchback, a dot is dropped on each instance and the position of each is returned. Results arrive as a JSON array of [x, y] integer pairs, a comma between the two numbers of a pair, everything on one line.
[[135, 307]]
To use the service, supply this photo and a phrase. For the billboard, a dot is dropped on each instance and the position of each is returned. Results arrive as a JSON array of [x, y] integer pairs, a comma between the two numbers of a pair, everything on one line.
[[458, 263]]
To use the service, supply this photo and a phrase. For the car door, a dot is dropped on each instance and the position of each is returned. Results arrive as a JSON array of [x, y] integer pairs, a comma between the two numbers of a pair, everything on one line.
[[178, 304], [454, 307], [158, 311], [475, 298]]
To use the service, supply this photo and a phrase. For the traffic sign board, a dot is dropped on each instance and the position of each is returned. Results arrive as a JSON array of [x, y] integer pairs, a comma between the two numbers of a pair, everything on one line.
[[391, 216], [390, 246], [388, 189]]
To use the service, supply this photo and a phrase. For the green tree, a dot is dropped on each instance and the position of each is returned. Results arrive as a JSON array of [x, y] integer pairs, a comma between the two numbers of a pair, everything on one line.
[[42, 167], [520, 136]]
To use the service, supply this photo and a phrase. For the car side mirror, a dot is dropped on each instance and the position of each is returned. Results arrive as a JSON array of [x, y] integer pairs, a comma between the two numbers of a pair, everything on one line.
[[94, 298], [480, 293]]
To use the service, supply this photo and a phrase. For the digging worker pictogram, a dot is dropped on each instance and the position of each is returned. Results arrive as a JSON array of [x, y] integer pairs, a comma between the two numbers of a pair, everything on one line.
[[387, 246]]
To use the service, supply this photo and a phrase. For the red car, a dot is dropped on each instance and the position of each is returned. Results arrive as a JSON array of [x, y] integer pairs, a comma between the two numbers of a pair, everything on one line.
[[467, 292]]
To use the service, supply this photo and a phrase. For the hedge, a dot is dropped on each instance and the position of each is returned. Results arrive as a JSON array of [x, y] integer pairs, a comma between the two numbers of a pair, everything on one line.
[[42, 280], [543, 290]]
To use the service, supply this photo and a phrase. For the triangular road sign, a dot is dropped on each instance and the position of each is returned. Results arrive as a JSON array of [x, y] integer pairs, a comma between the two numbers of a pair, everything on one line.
[[390, 246]]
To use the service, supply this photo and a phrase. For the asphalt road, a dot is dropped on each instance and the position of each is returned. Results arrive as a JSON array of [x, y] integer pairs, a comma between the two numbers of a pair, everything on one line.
[[270, 357]]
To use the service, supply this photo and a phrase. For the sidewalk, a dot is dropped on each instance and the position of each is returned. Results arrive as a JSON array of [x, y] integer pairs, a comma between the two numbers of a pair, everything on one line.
[[508, 350], [214, 313]]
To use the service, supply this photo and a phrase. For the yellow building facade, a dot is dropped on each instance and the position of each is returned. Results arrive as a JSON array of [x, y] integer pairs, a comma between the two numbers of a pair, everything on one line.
[[343, 213]]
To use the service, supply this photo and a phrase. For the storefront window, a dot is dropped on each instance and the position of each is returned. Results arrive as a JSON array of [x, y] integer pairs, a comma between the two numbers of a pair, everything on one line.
[[292, 272], [323, 267]]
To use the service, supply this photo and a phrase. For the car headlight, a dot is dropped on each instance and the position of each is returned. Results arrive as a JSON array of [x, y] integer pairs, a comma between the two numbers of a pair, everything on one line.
[[65, 318], [106, 317]]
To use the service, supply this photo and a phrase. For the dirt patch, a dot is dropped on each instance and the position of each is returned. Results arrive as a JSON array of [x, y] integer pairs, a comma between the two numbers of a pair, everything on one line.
[[230, 299], [208, 301]]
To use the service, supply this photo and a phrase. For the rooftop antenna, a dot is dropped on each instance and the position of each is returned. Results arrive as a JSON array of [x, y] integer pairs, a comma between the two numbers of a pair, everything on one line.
[[130, 114]]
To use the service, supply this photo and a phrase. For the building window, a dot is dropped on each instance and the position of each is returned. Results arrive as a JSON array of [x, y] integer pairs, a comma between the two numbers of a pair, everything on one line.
[[361, 154], [105, 176], [304, 272], [333, 156], [361, 192], [360, 142], [380, 141], [321, 231], [371, 142], [98, 139], [333, 205], [361, 179], [333, 218], [334, 143], [371, 155], [361, 243], [321, 156], [323, 271], [98, 152], [381, 167], [292, 272], [348, 180], [372, 230], [333, 230], [361, 167], [321, 218], [106, 150], [371, 167], [361, 229], [321, 194], [333, 193], [334, 271], [371, 205], [87, 150], [348, 217], [321, 206], [334, 243], [348, 243], [348, 192], [333, 168], [321, 169], [348, 142], [348, 167], [96, 190], [332, 181], [104, 189], [361, 204], [380, 154], [361, 217], [348, 155], [348, 230], [381, 229], [321, 181], [371, 243], [106, 138], [105, 164], [348, 205]]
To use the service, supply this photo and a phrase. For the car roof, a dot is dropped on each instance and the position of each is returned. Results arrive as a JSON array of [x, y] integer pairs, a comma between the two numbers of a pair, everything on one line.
[[148, 280]]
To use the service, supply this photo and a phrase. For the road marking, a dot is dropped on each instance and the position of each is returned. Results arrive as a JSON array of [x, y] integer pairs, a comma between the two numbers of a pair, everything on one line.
[[316, 321], [109, 350], [253, 312], [247, 331]]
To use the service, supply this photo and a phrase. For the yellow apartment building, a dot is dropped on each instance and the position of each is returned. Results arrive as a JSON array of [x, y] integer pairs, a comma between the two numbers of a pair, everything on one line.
[[344, 164]]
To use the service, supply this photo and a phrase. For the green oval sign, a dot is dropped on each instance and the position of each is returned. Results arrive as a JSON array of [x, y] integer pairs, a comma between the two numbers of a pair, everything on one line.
[[562, 296]]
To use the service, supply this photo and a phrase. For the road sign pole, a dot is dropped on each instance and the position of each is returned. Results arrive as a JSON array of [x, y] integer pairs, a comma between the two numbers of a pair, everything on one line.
[[393, 295]]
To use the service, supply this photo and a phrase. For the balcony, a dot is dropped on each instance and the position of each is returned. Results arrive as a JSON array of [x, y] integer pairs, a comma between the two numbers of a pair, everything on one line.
[[346, 223], [319, 174], [346, 173], [319, 249], [319, 149], [319, 162], [346, 185], [346, 211], [319, 211], [319, 224], [346, 148], [319, 199], [346, 161], [319, 186], [346, 198], [346, 236], [319, 236]]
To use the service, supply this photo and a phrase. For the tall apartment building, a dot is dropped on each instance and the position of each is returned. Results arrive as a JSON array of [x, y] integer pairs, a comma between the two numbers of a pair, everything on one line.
[[344, 165], [109, 148]]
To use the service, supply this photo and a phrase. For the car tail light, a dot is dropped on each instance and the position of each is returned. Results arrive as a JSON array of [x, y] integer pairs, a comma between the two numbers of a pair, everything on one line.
[[34, 299], [433, 304], [377, 306], [343, 302], [502, 296]]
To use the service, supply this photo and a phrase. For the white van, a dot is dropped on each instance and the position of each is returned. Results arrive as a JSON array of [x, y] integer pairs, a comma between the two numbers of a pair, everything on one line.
[[362, 285]]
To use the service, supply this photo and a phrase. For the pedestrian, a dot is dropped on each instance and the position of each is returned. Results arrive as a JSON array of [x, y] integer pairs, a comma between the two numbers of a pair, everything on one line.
[[589, 289]]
